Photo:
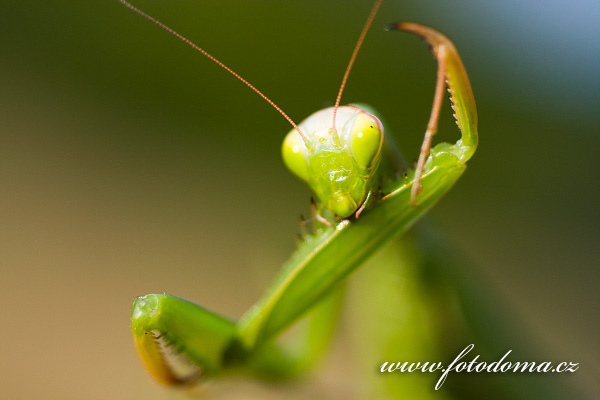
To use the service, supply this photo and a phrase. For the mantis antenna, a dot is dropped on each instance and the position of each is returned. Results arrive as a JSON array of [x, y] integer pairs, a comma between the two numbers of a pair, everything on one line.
[[357, 47], [307, 142]]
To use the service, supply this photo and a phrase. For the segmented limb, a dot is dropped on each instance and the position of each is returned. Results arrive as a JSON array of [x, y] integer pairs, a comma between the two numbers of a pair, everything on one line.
[[317, 217], [178, 341], [450, 68], [365, 203], [431, 125]]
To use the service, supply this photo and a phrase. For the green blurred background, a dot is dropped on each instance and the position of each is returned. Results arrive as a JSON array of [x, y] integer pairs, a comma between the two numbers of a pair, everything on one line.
[[129, 164]]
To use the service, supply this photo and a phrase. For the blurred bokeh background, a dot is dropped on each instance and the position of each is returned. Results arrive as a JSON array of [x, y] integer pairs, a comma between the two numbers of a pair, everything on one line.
[[129, 164]]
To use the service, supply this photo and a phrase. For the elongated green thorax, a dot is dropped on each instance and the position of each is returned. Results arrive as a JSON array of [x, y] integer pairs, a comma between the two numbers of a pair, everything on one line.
[[340, 170]]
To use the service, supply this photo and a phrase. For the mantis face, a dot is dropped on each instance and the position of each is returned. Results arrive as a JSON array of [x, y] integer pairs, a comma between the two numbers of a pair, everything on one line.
[[337, 164]]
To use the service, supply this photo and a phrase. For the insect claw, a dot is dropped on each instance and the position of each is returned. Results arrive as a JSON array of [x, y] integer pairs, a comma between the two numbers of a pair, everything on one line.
[[323, 220], [368, 201], [359, 211]]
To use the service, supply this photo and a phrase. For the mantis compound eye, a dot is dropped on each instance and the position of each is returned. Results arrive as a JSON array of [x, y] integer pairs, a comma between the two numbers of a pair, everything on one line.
[[366, 140], [293, 152]]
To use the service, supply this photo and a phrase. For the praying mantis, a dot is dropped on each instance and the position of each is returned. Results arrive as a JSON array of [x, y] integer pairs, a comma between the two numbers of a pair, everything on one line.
[[363, 201]]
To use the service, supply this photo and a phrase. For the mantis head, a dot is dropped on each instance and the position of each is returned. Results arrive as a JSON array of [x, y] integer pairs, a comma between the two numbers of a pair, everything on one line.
[[339, 163]]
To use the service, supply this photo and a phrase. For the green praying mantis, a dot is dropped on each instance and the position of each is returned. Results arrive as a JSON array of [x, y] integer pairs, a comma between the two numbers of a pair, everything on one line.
[[363, 202]]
